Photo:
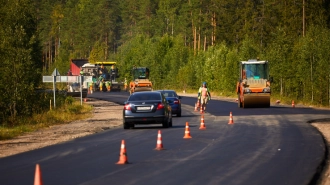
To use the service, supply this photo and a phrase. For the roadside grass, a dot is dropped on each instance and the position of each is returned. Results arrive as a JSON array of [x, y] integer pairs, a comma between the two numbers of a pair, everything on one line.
[[68, 112]]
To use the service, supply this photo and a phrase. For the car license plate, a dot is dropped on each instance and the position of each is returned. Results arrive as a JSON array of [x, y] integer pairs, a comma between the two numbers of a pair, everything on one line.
[[143, 108]]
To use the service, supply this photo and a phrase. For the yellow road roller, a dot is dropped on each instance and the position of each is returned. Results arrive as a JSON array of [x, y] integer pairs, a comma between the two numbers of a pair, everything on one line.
[[253, 87], [141, 80]]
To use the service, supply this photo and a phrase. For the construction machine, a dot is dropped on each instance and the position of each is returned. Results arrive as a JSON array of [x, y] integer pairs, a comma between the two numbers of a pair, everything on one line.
[[73, 88], [104, 74], [141, 80], [253, 87]]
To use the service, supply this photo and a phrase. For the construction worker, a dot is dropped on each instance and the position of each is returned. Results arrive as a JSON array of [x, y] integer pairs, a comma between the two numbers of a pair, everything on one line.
[[125, 84], [203, 96], [113, 73], [101, 83], [108, 85], [91, 87]]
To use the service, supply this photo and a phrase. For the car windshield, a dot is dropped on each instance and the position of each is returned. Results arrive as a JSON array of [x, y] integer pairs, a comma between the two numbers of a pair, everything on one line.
[[169, 94], [144, 96]]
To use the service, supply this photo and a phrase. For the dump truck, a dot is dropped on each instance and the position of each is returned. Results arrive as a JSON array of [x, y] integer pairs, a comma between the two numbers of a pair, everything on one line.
[[253, 87], [73, 88], [140, 80], [105, 75]]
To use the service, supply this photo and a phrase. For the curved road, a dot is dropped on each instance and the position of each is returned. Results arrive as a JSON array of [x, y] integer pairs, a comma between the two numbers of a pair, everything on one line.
[[264, 146]]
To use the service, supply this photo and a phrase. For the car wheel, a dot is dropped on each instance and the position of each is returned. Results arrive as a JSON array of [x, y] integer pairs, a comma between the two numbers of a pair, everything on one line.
[[126, 125], [178, 114]]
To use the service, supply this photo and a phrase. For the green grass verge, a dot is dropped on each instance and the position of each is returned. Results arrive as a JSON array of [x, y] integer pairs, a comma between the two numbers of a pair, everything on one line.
[[69, 112]]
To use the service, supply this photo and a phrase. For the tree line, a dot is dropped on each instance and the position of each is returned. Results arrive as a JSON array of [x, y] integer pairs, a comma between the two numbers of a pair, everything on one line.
[[183, 42]]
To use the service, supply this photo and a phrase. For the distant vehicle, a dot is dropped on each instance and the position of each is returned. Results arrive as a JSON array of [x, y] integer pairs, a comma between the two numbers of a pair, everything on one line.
[[104, 74], [140, 81], [147, 107], [253, 88], [174, 101], [73, 88]]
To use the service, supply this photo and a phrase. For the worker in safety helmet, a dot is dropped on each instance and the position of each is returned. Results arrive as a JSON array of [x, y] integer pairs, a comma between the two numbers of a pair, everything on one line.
[[204, 95]]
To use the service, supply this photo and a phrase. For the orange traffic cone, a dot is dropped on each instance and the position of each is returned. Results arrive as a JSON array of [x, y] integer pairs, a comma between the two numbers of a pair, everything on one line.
[[231, 121], [123, 154], [293, 104], [37, 176], [196, 107], [159, 145], [202, 127], [187, 132]]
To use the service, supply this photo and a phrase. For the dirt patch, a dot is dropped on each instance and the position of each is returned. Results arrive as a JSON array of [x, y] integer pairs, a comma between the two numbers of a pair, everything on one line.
[[106, 115]]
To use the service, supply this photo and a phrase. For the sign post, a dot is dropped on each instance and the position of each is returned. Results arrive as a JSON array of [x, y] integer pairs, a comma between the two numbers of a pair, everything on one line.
[[54, 89], [81, 84], [56, 77], [54, 74]]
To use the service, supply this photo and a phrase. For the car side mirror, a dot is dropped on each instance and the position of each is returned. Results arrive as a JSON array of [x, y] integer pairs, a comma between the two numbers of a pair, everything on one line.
[[179, 97]]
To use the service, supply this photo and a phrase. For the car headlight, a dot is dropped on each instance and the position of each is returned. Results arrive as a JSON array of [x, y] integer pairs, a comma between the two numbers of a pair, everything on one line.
[[246, 90], [266, 90]]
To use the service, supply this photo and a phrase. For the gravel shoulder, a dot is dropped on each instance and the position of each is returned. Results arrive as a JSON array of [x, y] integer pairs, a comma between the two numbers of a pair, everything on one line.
[[324, 128], [107, 115]]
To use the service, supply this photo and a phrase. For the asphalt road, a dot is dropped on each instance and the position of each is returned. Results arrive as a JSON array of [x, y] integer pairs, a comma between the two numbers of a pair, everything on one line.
[[264, 146]]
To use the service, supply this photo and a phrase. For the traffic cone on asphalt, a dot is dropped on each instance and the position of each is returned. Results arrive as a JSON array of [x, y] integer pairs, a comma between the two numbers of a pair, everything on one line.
[[123, 154], [202, 127], [37, 176], [187, 132], [196, 107], [159, 145], [231, 121], [293, 104]]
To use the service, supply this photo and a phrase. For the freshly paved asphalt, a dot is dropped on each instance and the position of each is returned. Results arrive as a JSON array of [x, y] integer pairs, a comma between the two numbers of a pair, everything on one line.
[[264, 146]]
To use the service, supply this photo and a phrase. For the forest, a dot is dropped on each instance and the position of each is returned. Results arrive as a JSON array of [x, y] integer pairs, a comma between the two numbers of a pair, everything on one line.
[[183, 42]]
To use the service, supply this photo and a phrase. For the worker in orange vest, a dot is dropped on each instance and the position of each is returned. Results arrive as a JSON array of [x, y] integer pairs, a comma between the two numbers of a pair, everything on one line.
[[204, 95]]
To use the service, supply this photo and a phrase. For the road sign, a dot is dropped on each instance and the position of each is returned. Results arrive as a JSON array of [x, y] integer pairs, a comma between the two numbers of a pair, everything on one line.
[[67, 78], [73, 79], [56, 73]]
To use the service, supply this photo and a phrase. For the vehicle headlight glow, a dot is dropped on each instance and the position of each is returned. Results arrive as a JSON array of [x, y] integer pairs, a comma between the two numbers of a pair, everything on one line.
[[266, 90]]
